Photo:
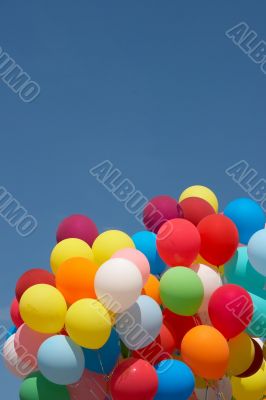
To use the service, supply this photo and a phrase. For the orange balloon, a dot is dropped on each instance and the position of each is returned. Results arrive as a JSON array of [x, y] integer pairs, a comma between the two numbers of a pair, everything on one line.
[[75, 279], [205, 350], [152, 289]]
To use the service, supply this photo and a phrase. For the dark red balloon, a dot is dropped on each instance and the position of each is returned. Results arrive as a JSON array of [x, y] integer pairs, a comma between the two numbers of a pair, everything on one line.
[[178, 242], [15, 314], [159, 210], [33, 277], [219, 239], [195, 209], [134, 379], [161, 349], [179, 325], [79, 227], [257, 362], [230, 310]]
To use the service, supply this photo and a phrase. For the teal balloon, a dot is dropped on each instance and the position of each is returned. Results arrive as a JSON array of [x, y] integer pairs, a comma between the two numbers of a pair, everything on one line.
[[36, 387], [239, 271], [257, 326]]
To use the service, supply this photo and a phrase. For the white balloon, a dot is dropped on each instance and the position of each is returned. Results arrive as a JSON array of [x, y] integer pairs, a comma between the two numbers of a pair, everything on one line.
[[18, 360], [211, 281], [118, 284], [223, 391]]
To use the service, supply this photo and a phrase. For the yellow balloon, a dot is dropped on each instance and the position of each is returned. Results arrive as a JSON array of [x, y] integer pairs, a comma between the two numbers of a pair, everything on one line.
[[88, 323], [43, 308], [241, 356], [251, 388], [109, 242], [203, 192], [69, 248]]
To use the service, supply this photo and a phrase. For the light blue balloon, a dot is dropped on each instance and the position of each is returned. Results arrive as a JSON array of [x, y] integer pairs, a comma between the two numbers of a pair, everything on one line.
[[247, 215], [60, 360], [176, 380], [240, 272], [140, 324], [146, 243], [104, 359], [257, 251], [257, 326]]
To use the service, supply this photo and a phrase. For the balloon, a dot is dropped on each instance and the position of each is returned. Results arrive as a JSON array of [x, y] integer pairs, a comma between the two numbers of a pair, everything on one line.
[[205, 351], [176, 380], [140, 324], [230, 310], [247, 215], [75, 279], [221, 389], [256, 363], [15, 314], [242, 352], [88, 323], [36, 387], [11, 331], [219, 239], [43, 308], [103, 360], [251, 388], [211, 281], [152, 288], [91, 386], [134, 379], [69, 248], [159, 210], [257, 326], [108, 243], [160, 349], [30, 341], [179, 325], [146, 243], [257, 251], [240, 272], [60, 360], [118, 284], [202, 192], [33, 277], [178, 242], [195, 209], [77, 226], [19, 362], [181, 291], [137, 258]]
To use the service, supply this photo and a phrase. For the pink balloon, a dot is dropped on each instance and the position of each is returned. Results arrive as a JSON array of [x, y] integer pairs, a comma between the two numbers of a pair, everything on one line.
[[29, 339], [15, 314], [90, 387], [138, 258], [77, 226]]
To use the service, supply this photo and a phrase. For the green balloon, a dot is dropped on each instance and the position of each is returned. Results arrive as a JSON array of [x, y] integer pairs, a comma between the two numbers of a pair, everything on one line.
[[36, 387], [181, 291]]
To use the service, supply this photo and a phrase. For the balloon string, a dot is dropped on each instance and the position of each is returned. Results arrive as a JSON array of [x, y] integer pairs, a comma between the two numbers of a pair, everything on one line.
[[206, 394]]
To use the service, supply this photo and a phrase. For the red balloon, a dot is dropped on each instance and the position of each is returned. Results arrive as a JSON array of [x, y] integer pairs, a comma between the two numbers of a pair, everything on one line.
[[178, 242], [15, 314], [134, 379], [179, 325], [159, 210], [77, 226], [33, 277], [219, 239], [195, 209], [159, 350], [257, 362], [230, 310]]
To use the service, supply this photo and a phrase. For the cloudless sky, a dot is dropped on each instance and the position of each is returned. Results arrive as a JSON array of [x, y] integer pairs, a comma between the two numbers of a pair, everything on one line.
[[154, 86]]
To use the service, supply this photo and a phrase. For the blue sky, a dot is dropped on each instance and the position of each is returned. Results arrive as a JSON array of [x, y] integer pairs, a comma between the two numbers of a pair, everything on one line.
[[155, 87]]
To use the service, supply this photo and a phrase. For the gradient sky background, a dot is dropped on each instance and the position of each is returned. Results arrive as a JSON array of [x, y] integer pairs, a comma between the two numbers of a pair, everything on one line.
[[154, 86]]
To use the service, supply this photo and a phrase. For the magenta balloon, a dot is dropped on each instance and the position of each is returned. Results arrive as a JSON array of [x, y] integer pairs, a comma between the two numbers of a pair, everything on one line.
[[79, 227], [159, 210]]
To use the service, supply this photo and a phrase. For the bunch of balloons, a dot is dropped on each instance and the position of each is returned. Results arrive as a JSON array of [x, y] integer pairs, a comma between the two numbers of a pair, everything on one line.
[[177, 311]]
